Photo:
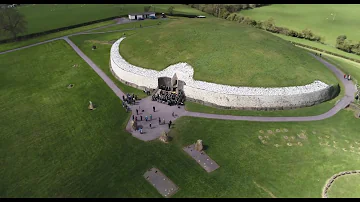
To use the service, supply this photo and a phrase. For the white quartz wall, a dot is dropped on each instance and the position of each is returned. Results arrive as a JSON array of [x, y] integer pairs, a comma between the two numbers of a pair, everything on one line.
[[217, 94]]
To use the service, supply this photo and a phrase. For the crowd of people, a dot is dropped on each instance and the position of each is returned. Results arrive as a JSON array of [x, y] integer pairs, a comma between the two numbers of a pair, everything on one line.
[[129, 99], [169, 98]]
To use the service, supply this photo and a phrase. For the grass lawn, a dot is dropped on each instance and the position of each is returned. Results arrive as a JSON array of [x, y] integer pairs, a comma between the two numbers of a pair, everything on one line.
[[344, 65], [18, 44], [42, 17], [101, 56], [345, 187], [318, 45], [316, 17], [224, 52], [51, 145], [135, 24]]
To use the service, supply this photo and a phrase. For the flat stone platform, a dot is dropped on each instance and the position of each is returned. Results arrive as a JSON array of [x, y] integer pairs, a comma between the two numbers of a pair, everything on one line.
[[201, 158], [163, 184]]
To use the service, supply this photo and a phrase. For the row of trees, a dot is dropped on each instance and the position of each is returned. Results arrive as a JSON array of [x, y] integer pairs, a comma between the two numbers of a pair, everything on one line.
[[223, 10], [347, 45], [269, 25]]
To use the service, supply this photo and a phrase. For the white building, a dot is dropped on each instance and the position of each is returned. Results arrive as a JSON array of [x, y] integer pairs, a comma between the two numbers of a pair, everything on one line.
[[137, 16]]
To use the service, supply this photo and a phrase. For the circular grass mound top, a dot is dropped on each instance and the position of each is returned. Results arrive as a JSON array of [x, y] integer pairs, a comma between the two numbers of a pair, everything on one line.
[[224, 52], [347, 186]]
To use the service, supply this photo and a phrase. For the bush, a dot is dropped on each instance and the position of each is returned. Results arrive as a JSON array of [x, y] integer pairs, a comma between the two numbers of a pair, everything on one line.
[[171, 10], [231, 17], [241, 19], [269, 24]]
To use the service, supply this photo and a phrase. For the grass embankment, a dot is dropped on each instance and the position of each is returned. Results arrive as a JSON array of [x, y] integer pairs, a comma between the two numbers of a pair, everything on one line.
[[226, 53], [327, 20], [53, 146]]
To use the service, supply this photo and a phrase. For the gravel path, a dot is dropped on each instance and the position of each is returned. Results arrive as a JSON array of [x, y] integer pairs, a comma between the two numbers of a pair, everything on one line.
[[167, 111]]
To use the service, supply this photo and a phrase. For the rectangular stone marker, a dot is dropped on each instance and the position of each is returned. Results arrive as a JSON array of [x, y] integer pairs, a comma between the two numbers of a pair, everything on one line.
[[163, 184], [201, 158]]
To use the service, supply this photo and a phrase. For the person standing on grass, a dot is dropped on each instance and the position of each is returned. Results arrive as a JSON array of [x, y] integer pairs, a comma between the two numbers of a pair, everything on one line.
[[170, 124], [154, 108]]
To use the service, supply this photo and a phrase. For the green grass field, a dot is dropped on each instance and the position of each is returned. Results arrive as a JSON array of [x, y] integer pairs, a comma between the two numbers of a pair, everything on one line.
[[135, 24], [325, 47], [101, 56], [18, 44], [62, 15], [224, 52], [316, 17], [51, 145], [345, 187]]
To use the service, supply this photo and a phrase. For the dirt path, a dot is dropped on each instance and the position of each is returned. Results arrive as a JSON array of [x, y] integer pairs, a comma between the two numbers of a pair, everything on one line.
[[266, 190]]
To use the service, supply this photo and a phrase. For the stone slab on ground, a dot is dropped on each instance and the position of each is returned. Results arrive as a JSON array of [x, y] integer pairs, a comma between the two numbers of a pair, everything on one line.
[[201, 158], [163, 184]]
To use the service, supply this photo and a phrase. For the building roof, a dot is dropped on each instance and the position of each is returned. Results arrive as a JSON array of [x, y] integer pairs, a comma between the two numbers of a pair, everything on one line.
[[144, 13]]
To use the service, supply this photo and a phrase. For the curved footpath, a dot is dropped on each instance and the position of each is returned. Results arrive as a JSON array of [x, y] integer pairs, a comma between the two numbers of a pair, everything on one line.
[[350, 89]]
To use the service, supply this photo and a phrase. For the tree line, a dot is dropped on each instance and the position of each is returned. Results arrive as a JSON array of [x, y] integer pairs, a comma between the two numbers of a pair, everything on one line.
[[223, 10]]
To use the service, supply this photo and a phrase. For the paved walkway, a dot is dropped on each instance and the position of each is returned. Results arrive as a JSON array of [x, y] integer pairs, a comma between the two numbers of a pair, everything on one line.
[[165, 112]]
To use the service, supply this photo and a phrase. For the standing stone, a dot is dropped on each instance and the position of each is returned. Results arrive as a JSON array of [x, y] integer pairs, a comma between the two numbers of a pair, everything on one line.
[[91, 106], [164, 137], [134, 124], [199, 145]]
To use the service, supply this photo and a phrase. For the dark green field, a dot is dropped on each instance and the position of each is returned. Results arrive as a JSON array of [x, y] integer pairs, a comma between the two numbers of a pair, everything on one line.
[[224, 52]]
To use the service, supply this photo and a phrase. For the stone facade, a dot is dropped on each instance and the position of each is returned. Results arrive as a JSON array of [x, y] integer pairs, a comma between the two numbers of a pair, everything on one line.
[[221, 95]]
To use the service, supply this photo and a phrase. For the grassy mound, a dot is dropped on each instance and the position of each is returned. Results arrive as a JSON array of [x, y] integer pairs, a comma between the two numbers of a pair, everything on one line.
[[224, 52], [345, 18], [345, 187]]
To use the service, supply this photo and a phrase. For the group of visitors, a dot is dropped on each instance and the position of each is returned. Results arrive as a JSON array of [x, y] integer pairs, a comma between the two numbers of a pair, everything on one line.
[[148, 119], [169, 98], [147, 91], [129, 99], [347, 76]]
